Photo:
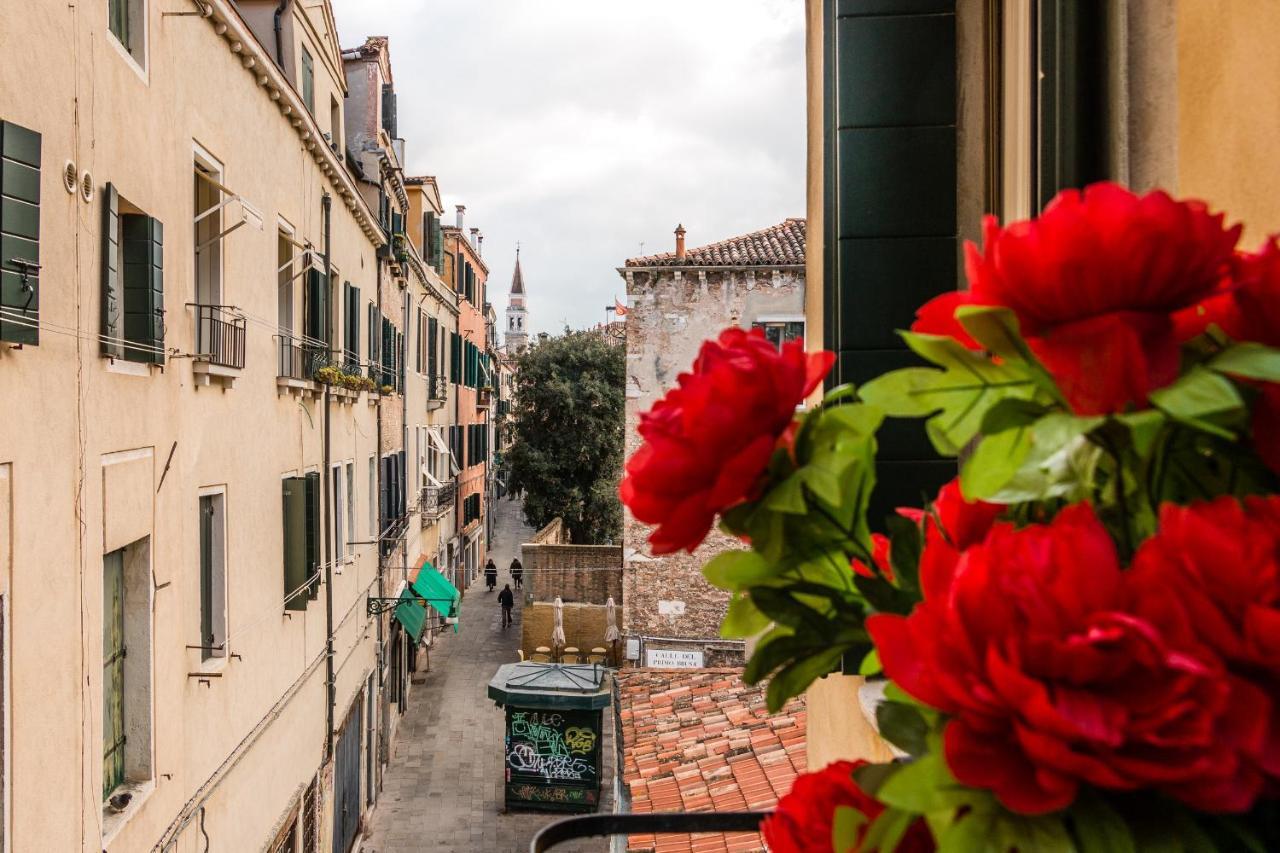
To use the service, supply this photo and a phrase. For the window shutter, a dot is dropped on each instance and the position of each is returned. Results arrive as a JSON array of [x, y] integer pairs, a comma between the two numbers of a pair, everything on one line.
[[317, 307], [433, 328], [437, 245], [142, 274], [313, 534], [295, 541], [112, 291], [389, 110], [397, 222], [346, 320], [353, 343], [19, 233]]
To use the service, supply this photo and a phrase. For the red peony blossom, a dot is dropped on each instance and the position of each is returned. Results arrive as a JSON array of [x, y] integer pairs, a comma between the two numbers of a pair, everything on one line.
[[802, 821], [1094, 282], [709, 440], [952, 525], [1052, 679], [880, 546]]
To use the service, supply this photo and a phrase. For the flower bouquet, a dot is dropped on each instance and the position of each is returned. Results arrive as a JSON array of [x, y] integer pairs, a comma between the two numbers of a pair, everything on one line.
[[1080, 634]]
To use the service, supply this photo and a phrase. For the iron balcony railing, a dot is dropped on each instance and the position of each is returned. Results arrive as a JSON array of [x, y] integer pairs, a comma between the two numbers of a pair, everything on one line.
[[435, 501], [220, 334], [299, 359], [591, 826], [438, 388]]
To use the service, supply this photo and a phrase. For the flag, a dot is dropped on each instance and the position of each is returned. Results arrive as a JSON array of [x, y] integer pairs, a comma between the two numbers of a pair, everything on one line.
[[619, 308]]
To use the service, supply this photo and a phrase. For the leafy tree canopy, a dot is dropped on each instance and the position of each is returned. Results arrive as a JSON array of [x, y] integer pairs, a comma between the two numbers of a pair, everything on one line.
[[567, 423]]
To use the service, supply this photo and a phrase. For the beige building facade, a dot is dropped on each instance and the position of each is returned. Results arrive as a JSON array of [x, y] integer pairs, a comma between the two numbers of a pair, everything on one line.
[[199, 491]]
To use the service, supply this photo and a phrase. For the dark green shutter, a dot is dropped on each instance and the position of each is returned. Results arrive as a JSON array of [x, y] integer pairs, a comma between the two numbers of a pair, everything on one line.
[[317, 309], [397, 222], [433, 330], [295, 541], [112, 289], [890, 198], [142, 276], [313, 533], [19, 233], [437, 244]]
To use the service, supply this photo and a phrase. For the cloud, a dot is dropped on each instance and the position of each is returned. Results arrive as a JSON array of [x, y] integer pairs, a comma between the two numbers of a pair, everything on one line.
[[586, 128]]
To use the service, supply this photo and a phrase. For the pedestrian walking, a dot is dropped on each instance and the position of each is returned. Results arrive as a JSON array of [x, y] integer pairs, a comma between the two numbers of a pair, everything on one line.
[[490, 575], [517, 572], [508, 601]]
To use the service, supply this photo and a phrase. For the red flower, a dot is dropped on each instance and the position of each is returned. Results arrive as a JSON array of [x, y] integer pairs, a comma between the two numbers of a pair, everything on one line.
[[802, 822], [1221, 562], [952, 525], [880, 546], [1033, 645], [1094, 282], [709, 440]]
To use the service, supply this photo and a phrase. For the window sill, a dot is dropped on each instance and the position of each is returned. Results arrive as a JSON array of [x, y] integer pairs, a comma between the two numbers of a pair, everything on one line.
[[128, 368], [128, 58], [206, 373], [113, 821]]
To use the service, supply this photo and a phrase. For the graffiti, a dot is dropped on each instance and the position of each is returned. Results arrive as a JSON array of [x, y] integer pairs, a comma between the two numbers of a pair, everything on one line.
[[552, 794], [552, 746], [580, 740]]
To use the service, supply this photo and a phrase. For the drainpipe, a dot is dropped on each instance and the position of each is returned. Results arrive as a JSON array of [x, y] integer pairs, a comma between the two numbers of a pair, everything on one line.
[[384, 716], [284, 4], [404, 418], [327, 206]]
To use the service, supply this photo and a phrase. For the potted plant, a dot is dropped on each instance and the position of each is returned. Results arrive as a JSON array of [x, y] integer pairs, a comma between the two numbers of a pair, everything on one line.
[[1079, 636]]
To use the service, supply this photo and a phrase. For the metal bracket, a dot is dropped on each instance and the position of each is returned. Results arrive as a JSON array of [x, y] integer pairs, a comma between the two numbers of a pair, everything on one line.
[[375, 604]]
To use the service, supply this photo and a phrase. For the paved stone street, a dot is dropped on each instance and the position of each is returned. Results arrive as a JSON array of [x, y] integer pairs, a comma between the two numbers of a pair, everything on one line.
[[443, 788]]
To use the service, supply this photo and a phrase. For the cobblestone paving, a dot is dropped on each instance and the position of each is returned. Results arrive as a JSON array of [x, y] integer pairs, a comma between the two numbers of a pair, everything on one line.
[[442, 790]]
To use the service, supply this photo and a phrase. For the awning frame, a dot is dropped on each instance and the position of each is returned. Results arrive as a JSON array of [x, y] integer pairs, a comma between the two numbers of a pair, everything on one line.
[[249, 215]]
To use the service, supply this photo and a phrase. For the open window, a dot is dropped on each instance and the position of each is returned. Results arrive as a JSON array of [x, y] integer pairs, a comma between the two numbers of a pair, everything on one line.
[[213, 575], [779, 330], [127, 22], [133, 311]]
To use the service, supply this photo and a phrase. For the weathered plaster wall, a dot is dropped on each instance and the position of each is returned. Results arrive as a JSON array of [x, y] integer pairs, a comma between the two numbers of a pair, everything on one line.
[[669, 316]]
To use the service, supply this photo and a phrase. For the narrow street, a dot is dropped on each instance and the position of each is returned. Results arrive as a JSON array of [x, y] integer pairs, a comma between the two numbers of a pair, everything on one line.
[[442, 790]]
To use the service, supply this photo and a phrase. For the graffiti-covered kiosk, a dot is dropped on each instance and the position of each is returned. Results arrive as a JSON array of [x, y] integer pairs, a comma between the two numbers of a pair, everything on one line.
[[554, 727]]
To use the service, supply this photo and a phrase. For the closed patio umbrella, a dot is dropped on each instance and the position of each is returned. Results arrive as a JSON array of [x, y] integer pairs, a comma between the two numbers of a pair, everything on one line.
[[611, 627], [557, 629]]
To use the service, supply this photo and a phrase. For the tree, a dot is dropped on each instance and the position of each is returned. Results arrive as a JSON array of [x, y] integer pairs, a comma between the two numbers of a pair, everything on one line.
[[567, 423]]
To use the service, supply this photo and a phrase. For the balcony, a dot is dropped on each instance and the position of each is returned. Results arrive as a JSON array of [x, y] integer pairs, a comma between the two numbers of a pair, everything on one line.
[[484, 396], [437, 392], [297, 361], [220, 338], [435, 501]]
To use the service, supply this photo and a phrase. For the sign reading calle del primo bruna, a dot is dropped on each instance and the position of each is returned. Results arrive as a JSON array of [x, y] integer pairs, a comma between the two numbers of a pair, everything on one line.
[[553, 758], [673, 659]]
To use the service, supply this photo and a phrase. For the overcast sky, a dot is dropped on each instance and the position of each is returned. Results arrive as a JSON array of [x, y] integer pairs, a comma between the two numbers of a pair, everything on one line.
[[583, 128]]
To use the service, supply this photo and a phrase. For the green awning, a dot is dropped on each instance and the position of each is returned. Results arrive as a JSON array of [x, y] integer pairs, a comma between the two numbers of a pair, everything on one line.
[[437, 591], [411, 615]]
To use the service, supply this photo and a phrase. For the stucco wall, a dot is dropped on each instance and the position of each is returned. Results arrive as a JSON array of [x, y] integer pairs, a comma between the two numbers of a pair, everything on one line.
[[669, 316]]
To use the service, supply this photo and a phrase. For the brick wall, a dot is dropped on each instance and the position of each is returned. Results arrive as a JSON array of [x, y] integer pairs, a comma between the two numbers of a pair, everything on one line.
[[670, 314], [584, 626], [585, 573], [553, 534]]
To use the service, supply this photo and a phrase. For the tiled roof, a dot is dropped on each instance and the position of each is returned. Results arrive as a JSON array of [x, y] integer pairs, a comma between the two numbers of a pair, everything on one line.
[[778, 245], [702, 740]]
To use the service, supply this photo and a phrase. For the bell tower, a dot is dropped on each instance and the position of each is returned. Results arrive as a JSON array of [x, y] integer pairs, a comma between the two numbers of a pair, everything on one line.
[[517, 337]]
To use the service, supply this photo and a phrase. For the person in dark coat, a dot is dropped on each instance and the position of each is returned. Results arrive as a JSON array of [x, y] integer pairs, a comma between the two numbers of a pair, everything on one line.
[[490, 575], [508, 601], [517, 572]]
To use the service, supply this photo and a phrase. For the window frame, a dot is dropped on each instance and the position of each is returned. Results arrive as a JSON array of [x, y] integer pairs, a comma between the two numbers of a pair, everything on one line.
[[217, 649], [307, 79], [136, 55]]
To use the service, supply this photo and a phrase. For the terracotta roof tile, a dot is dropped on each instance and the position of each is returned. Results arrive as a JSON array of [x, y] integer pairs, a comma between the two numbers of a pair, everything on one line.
[[702, 740], [777, 245]]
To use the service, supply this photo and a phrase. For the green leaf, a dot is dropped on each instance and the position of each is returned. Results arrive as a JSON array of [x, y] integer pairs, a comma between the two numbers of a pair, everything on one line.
[[847, 391], [787, 497], [903, 726], [994, 462], [1144, 428], [794, 678], [823, 482], [846, 826], [1198, 398], [1097, 827], [906, 543], [957, 396], [887, 830], [884, 596], [925, 786], [743, 619], [871, 776], [779, 605], [870, 664], [1011, 413], [734, 570], [1250, 361], [1059, 463]]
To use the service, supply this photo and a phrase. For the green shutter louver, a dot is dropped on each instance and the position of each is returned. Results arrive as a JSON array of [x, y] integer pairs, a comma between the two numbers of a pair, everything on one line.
[[437, 245], [142, 277], [433, 330], [19, 234], [294, 514], [317, 308], [455, 358], [112, 289]]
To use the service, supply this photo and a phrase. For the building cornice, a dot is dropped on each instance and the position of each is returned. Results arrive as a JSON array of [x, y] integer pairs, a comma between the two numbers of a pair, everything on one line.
[[462, 239], [227, 23]]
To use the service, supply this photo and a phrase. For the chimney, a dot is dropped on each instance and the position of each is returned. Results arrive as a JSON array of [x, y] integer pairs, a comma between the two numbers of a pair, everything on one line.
[[462, 215], [475, 236], [680, 242], [480, 245]]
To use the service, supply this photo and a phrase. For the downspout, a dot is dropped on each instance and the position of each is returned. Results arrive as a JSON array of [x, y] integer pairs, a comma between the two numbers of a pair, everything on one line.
[[404, 418], [330, 694], [384, 717], [284, 4]]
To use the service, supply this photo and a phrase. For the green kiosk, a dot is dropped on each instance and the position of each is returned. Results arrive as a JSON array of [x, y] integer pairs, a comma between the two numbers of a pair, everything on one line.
[[555, 719]]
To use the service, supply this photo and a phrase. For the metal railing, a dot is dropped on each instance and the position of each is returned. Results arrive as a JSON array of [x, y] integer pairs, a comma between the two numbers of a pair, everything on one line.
[[298, 359], [220, 334], [438, 388], [591, 826], [435, 501]]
